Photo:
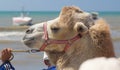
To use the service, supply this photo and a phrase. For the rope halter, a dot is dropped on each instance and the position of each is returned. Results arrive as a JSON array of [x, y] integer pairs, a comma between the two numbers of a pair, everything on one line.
[[49, 41]]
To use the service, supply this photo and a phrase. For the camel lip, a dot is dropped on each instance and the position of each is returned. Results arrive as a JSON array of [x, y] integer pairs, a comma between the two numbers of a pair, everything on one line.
[[28, 43]]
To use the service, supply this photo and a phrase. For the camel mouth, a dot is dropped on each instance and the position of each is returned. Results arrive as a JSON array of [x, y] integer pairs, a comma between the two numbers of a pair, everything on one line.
[[29, 41]]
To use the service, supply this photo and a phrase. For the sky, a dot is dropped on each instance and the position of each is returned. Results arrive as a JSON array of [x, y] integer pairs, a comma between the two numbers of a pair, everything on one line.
[[56, 5]]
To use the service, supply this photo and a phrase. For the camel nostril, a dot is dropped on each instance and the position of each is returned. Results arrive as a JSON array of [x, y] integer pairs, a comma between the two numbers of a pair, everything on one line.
[[29, 31]]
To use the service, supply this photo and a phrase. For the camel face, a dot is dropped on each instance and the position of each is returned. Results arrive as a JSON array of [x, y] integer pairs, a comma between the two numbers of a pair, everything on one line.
[[34, 35], [71, 22]]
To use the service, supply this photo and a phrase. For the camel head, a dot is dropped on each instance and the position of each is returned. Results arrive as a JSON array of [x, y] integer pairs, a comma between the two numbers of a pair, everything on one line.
[[54, 35]]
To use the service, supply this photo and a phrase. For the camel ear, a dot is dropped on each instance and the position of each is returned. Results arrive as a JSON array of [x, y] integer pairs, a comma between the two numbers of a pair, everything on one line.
[[80, 28]]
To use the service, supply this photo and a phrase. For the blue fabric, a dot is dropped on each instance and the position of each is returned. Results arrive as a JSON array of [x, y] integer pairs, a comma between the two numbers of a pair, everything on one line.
[[7, 66], [51, 68]]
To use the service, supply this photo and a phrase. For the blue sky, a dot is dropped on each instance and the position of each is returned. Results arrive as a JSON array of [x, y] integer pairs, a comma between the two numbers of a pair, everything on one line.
[[56, 5]]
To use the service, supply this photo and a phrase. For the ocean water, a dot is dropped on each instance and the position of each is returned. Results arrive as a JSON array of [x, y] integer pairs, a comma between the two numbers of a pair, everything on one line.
[[11, 36]]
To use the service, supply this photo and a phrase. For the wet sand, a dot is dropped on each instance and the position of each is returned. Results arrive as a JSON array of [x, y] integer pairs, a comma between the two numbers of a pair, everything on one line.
[[14, 28]]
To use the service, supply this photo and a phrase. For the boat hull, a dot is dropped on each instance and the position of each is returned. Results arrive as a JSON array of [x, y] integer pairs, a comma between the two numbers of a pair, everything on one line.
[[20, 21]]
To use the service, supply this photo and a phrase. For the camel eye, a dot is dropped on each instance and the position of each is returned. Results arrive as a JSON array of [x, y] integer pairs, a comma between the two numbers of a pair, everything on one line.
[[55, 29]]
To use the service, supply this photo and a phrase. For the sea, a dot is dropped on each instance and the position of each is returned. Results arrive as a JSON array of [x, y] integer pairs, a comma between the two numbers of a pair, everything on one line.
[[11, 36]]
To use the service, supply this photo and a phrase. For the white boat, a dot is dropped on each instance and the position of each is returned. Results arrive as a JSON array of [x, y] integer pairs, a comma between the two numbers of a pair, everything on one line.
[[22, 20]]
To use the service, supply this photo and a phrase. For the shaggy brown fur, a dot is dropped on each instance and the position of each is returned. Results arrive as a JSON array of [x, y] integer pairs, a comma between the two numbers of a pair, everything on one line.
[[95, 43], [95, 40]]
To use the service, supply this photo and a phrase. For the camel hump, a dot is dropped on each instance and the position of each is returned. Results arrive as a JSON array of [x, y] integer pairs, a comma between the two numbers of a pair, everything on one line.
[[101, 26], [100, 33]]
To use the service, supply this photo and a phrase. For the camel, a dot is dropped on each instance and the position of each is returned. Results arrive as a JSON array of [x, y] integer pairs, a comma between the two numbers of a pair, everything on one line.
[[72, 38]]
